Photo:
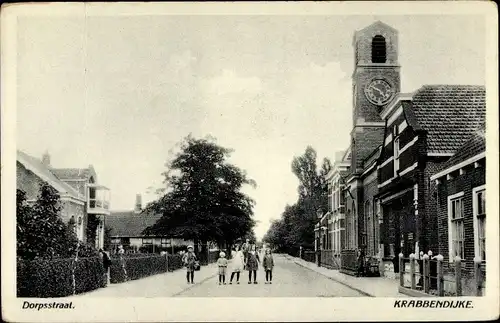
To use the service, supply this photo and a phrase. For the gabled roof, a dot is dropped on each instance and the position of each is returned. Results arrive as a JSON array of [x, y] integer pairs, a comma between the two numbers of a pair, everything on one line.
[[348, 155], [449, 114], [73, 173], [474, 146], [380, 24], [39, 169], [129, 223]]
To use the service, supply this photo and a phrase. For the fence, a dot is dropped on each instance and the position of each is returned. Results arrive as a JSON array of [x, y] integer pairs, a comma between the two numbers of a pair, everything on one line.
[[432, 279], [348, 261], [309, 255], [328, 259]]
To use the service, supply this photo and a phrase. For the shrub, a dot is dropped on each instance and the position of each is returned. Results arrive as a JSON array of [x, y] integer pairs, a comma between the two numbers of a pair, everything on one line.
[[54, 278], [116, 271], [136, 267], [87, 250], [174, 262], [44, 278], [89, 274]]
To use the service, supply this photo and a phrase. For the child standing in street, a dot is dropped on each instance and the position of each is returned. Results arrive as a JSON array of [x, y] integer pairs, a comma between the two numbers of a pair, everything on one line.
[[268, 264], [189, 259], [252, 265], [222, 264]]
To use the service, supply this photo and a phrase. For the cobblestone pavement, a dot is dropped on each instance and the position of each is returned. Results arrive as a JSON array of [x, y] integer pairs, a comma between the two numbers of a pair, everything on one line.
[[161, 285], [289, 280]]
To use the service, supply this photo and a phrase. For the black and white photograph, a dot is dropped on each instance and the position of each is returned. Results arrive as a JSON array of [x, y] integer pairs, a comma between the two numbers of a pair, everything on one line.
[[189, 159]]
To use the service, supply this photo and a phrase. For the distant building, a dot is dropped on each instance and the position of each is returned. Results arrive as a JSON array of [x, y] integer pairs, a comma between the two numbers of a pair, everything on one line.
[[79, 192], [127, 229], [330, 229]]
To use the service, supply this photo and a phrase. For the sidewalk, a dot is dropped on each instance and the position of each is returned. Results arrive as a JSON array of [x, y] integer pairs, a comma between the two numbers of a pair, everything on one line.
[[162, 285], [369, 286]]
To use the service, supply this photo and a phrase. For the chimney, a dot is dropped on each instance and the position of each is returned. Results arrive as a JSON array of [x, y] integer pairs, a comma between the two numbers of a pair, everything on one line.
[[138, 203], [46, 159]]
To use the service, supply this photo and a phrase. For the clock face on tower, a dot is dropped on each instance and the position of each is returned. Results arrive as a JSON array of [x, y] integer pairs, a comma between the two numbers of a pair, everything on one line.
[[379, 92]]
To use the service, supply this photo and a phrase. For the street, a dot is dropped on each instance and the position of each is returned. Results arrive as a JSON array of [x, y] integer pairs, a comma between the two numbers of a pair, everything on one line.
[[289, 280]]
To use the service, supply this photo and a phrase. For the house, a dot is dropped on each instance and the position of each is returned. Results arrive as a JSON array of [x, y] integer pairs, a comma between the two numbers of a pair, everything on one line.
[[77, 189], [96, 196], [423, 130], [397, 142], [461, 204], [127, 229], [330, 229]]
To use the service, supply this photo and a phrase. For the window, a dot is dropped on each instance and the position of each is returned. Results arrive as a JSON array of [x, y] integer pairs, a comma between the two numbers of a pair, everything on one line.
[[355, 226], [396, 156], [366, 226], [339, 244], [349, 228], [479, 210], [165, 242], [379, 54], [330, 206], [147, 241], [456, 226]]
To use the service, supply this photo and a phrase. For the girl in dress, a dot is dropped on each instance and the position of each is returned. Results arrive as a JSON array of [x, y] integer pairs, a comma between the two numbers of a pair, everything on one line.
[[252, 264], [189, 260], [268, 264], [236, 265]]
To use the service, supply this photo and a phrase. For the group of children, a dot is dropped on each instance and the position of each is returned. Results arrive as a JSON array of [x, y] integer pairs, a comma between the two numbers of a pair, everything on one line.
[[248, 259]]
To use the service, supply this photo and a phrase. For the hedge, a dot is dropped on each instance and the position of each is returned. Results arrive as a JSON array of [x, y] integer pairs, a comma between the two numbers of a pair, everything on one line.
[[54, 278], [89, 275], [131, 268], [135, 266]]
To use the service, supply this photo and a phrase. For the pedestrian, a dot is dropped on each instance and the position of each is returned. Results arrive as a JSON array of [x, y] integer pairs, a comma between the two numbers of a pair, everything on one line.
[[252, 264], [189, 260], [268, 264], [361, 262], [121, 258], [106, 264], [222, 264], [237, 263], [246, 248]]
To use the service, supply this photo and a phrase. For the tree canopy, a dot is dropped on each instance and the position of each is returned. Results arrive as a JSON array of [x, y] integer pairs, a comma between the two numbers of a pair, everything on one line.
[[295, 228], [202, 199], [40, 231]]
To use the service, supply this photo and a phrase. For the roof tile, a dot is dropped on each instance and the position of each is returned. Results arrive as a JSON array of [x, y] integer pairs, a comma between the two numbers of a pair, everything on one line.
[[449, 114], [129, 223]]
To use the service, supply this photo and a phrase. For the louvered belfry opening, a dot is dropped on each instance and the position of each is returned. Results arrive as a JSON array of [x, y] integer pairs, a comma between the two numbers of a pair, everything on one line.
[[379, 54]]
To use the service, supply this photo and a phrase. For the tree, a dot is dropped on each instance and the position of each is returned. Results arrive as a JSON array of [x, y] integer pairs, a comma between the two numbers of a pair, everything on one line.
[[202, 199], [40, 231], [107, 237], [250, 236], [93, 222], [296, 226]]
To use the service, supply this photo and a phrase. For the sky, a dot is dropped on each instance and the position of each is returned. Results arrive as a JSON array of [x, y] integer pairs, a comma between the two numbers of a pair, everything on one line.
[[120, 92]]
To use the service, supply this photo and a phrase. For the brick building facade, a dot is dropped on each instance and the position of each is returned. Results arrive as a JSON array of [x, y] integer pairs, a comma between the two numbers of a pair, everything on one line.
[[77, 189], [460, 201], [398, 142]]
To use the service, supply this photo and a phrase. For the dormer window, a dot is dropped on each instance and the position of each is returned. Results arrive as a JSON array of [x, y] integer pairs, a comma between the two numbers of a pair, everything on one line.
[[379, 51]]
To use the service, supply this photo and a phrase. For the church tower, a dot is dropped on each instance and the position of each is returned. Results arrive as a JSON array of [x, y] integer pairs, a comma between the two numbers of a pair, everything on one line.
[[376, 80], [375, 83]]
